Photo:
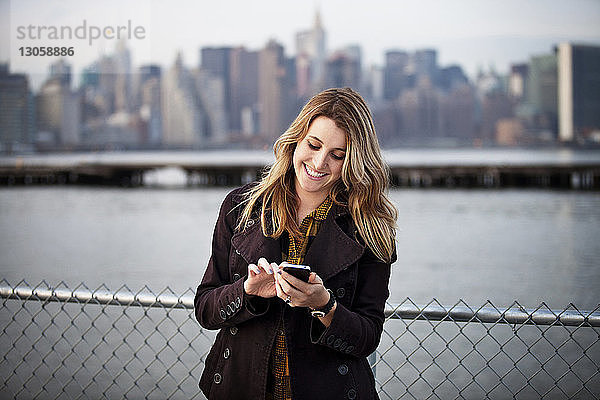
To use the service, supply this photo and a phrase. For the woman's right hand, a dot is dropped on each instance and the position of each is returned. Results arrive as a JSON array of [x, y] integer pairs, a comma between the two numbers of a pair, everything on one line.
[[261, 279]]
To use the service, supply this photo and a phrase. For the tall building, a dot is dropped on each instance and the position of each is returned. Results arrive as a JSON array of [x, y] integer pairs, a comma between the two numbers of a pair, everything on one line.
[[17, 121], [244, 89], [517, 81], [107, 85], [495, 106], [184, 118], [375, 83], [343, 69], [542, 92], [211, 92], [311, 53], [62, 71], [59, 108], [216, 61], [123, 85], [150, 103], [420, 110], [578, 91], [458, 107], [425, 64], [394, 73], [272, 90], [452, 77]]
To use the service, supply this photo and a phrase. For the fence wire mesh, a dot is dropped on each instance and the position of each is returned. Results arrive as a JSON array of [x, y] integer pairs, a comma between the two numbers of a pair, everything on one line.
[[61, 342]]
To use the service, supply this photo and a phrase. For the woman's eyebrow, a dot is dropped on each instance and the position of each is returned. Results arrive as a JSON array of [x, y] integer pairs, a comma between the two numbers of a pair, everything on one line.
[[320, 141]]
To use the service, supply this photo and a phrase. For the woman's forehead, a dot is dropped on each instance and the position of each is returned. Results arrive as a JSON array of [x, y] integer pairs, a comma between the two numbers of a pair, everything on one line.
[[326, 130]]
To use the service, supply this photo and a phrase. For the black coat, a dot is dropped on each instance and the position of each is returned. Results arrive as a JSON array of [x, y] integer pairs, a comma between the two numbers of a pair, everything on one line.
[[324, 363]]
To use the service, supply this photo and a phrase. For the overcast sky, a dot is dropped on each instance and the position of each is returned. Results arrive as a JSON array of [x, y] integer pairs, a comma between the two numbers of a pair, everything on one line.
[[471, 33]]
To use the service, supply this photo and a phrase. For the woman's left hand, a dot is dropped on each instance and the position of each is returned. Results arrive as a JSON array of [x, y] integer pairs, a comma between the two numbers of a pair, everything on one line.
[[298, 293]]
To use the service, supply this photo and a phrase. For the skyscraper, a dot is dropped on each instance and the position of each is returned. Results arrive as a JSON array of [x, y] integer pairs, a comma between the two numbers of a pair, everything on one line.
[[311, 56], [272, 97], [394, 72], [211, 93], [184, 119], [542, 92], [59, 108], [421, 112], [16, 110], [123, 84], [216, 61], [344, 68], [517, 81], [150, 103], [244, 87], [578, 91], [425, 64]]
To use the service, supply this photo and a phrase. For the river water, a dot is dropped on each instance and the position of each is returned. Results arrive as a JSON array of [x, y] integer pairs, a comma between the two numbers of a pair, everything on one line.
[[476, 245]]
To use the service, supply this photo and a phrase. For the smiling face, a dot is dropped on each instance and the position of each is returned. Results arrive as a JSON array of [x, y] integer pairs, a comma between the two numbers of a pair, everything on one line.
[[318, 160]]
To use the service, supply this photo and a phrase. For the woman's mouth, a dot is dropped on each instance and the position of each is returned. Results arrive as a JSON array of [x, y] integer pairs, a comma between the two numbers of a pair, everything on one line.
[[312, 173]]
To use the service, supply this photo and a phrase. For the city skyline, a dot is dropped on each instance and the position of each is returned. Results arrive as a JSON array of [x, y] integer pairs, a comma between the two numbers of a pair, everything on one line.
[[233, 94], [467, 38]]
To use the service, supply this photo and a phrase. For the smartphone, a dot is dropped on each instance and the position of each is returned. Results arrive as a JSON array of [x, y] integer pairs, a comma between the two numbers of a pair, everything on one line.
[[301, 272]]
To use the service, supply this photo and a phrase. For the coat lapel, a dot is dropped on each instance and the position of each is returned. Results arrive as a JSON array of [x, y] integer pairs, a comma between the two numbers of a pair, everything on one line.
[[332, 250], [252, 245]]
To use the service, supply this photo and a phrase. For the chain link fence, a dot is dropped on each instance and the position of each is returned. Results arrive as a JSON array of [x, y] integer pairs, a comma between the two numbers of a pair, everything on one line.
[[61, 342]]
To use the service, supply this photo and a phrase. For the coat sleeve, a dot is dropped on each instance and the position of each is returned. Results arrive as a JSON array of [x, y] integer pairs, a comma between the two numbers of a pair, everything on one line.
[[357, 330], [221, 302]]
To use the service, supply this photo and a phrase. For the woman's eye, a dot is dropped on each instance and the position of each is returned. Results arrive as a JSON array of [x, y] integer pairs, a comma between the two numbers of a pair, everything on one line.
[[312, 146], [337, 157]]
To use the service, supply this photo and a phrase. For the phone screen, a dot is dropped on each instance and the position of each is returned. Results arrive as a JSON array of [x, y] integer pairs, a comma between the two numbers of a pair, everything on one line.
[[301, 272]]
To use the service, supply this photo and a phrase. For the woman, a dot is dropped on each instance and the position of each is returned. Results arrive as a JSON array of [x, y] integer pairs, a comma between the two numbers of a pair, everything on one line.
[[322, 203]]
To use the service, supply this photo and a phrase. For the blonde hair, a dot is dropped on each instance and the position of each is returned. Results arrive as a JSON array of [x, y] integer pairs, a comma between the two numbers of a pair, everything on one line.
[[363, 184]]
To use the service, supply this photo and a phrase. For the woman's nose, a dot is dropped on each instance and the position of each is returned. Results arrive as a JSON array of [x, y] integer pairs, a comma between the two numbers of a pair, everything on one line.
[[320, 160]]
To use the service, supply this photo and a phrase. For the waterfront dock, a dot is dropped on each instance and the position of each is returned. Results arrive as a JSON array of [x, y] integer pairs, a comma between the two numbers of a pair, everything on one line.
[[464, 168]]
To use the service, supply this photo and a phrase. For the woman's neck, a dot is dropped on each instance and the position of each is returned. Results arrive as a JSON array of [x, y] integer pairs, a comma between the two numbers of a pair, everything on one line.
[[308, 203]]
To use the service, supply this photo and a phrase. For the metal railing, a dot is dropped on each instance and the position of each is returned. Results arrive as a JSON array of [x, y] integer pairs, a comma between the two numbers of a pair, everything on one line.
[[58, 342]]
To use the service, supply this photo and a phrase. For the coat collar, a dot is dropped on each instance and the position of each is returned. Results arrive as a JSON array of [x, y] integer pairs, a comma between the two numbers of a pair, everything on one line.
[[251, 244], [331, 251]]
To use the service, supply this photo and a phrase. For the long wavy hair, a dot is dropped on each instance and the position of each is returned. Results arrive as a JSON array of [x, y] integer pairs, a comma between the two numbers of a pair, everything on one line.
[[364, 180]]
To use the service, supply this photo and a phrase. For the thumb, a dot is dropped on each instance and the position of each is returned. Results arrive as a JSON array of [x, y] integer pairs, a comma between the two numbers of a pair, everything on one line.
[[314, 278]]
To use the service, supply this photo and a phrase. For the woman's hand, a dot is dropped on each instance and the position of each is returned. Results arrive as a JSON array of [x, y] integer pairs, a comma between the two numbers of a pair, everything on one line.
[[297, 293], [261, 279], [301, 294]]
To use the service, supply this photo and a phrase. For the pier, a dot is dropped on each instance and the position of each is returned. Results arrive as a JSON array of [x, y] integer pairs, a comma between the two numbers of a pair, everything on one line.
[[564, 169]]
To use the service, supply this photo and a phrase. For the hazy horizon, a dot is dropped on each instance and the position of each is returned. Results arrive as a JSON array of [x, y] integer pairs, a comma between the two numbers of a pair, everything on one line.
[[473, 34]]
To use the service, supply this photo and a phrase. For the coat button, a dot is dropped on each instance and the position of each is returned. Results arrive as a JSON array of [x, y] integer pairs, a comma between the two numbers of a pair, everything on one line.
[[351, 394], [226, 353], [250, 223], [349, 349], [343, 369], [233, 330], [343, 346], [237, 252], [238, 302], [337, 343], [229, 310], [222, 314], [218, 378], [236, 276], [330, 340], [233, 307], [341, 292]]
